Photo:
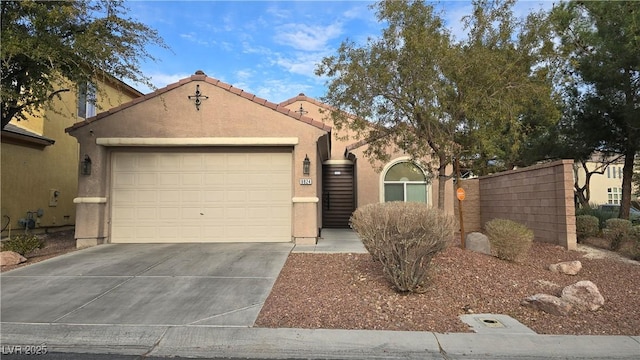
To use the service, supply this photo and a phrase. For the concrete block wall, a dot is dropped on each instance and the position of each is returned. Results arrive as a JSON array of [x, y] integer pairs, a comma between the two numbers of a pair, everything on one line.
[[539, 196], [470, 206]]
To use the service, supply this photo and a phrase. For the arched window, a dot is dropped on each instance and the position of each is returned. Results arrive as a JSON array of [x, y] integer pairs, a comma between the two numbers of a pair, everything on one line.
[[405, 181]]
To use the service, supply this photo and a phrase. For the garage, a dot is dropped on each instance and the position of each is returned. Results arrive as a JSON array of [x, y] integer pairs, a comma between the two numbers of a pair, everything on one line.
[[199, 161], [217, 195]]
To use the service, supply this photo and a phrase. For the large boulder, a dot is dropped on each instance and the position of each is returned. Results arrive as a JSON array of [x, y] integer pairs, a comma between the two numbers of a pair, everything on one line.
[[548, 303], [477, 242], [11, 258], [583, 294], [567, 267]]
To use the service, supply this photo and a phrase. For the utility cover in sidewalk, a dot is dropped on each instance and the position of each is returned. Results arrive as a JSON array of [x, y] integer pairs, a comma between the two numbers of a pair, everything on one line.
[[495, 324]]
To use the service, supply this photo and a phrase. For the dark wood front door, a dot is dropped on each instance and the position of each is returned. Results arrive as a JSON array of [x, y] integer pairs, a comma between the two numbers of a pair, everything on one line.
[[338, 202]]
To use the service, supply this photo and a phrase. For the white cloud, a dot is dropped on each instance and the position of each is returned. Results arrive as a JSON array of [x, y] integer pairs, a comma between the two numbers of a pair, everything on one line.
[[247, 48], [160, 80], [454, 12], [195, 38], [244, 75], [228, 22], [278, 12], [307, 37], [280, 89], [361, 11], [453, 16], [524, 7], [227, 46], [265, 86], [301, 63]]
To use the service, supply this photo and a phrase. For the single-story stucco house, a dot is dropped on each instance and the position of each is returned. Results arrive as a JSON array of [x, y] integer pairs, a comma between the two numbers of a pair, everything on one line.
[[203, 161]]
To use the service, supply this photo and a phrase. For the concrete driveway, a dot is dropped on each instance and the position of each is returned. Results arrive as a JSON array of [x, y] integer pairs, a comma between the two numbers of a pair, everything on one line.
[[146, 284]]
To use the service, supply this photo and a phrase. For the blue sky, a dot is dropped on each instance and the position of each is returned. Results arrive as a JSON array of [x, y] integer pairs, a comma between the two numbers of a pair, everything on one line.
[[268, 48]]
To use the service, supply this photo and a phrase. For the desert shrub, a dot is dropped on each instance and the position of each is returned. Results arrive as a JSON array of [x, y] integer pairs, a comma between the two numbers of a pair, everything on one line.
[[586, 226], [633, 251], [509, 240], [584, 211], [602, 215], [632, 248], [404, 237], [617, 231], [22, 244]]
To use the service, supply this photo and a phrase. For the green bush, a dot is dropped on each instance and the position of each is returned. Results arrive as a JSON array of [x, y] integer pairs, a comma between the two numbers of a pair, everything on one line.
[[631, 249], [586, 226], [404, 237], [602, 215], [617, 231], [22, 244], [509, 240]]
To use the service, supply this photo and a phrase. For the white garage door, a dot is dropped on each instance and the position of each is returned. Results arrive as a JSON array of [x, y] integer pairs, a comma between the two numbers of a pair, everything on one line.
[[201, 197]]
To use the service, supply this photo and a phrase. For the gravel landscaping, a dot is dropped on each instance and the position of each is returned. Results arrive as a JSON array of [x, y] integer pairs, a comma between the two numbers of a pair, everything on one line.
[[55, 244], [348, 291]]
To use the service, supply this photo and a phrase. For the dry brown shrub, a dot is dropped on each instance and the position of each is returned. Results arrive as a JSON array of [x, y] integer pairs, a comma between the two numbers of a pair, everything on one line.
[[404, 237]]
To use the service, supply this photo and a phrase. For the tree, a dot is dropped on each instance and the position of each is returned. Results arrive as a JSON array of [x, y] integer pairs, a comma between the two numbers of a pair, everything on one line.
[[600, 42], [417, 88], [583, 192], [636, 177], [49, 43], [501, 92], [387, 91], [573, 139]]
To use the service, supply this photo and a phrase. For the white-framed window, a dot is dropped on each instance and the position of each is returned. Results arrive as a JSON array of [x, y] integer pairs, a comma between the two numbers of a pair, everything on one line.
[[614, 195], [86, 100], [406, 181]]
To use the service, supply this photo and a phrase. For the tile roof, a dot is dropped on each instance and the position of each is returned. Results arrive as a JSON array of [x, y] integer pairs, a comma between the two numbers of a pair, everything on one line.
[[19, 132], [303, 97], [349, 148], [201, 76]]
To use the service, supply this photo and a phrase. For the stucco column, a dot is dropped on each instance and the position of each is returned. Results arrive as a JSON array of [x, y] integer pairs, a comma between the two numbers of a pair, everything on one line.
[[566, 209], [90, 213], [305, 220], [91, 203]]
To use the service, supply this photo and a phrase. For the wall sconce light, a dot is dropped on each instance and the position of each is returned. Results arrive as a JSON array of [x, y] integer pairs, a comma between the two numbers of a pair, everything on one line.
[[85, 165], [306, 165]]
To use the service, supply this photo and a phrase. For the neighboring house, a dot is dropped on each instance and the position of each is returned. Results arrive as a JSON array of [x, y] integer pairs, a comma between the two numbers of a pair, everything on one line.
[[605, 188], [202, 161], [40, 161]]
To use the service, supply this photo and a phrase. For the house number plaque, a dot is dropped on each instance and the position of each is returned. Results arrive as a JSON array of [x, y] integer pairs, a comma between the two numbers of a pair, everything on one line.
[[305, 181]]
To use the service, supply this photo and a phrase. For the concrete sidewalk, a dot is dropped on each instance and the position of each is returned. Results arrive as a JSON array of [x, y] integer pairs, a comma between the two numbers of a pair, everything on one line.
[[260, 343], [334, 241]]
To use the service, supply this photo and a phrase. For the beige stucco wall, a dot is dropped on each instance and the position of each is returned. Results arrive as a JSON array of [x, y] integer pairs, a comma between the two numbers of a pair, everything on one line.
[[30, 173], [540, 196], [169, 113], [370, 179], [368, 174], [340, 138]]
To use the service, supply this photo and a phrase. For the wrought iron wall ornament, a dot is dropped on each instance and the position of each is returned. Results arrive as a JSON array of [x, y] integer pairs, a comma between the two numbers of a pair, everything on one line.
[[198, 97], [302, 111]]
